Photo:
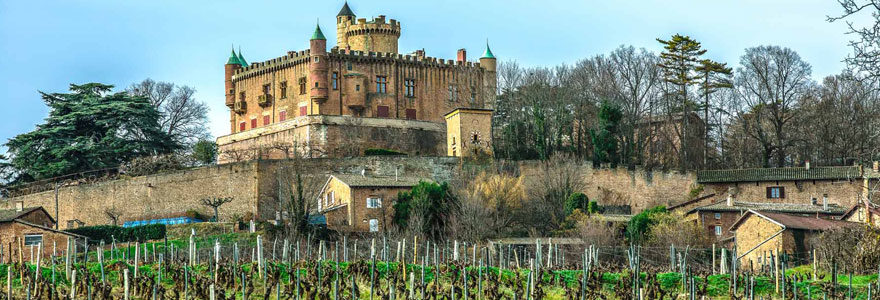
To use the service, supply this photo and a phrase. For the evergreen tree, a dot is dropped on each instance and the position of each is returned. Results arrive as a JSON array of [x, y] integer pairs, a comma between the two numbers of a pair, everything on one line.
[[87, 129], [605, 139], [715, 76], [205, 152], [678, 63]]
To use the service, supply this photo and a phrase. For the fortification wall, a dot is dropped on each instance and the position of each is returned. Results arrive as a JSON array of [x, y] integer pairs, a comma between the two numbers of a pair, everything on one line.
[[255, 187], [638, 188]]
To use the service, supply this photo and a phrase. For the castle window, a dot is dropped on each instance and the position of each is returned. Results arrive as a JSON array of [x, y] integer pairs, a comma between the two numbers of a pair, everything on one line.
[[357, 88], [317, 59], [348, 66], [254, 123], [241, 96], [453, 93], [282, 115], [410, 85], [283, 89], [381, 84], [382, 111], [241, 126], [410, 114], [266, 89], [266, 120], [303, 110], [334, 81], [302, 85]]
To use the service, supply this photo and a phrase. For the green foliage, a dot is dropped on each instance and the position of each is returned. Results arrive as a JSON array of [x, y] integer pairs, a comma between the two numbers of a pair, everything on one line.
[[576, 201], [696, 191], [605, 139], [432, 203], [593, 207], [88, 129], [205, 152], [122, 234], [380, 151], [640, 224]]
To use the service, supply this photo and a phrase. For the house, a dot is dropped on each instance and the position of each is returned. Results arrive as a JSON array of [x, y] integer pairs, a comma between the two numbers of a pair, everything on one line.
[[717, 218], [844, 185], [867, 213], [757, 235], [361, 203], [28, 227]]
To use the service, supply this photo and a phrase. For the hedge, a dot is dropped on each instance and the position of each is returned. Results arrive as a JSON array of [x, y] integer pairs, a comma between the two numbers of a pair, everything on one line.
[[122, 234], [380, 151]]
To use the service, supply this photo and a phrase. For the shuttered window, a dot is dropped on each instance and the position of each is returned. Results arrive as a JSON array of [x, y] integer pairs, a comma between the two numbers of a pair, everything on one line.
[[382, 111], [776, 192], [410, 114]]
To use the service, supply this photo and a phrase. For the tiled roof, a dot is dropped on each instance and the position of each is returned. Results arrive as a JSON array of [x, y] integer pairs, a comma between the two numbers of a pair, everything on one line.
[[791, 208], [797, 222], [778, 174], [345, 11], [8, 215], [378, 181]]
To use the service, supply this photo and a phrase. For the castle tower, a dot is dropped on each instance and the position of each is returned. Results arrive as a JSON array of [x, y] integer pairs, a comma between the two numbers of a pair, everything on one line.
[[232, 65], [344, 18], [469, 132], [241, 60], [490, 81], [318, 66]]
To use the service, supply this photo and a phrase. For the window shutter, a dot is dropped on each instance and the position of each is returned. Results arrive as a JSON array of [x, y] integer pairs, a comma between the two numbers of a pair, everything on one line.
[[411, 114], [768, 192], [303, 110], [382, 111], [782, 192]]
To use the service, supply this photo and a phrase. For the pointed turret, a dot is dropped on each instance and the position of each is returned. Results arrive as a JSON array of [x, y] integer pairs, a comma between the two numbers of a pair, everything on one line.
[[241, 58], [488, 53], [345, 11], [233, 60], [318, 35]]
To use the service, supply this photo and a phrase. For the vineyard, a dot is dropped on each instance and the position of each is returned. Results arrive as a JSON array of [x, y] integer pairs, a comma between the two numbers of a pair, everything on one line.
[[228, 266]]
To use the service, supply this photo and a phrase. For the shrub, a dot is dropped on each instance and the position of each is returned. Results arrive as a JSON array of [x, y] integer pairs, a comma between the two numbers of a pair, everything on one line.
[[380, 151], [131, 234], [575, 201], [640, 224]]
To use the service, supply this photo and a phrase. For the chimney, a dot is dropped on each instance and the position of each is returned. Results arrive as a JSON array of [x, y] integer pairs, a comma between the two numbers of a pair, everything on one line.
[[19, 205], [825, 202], [807, 164], [364, 172], [462, 55], [729, 200]]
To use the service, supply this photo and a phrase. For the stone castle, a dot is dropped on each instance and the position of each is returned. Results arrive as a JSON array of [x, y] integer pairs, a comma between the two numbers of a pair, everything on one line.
[[360, 94]]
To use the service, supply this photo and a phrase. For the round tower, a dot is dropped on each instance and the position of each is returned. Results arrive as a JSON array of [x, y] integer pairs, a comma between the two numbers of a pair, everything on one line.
[[318, 66], [490, 80], [344, 18], [232, 65], [373, 36]]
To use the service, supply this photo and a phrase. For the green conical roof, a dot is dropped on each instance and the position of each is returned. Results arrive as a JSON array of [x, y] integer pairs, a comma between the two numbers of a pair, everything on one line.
[[241, 58], [318, 35], [233, 60], [488, 53], [345, 11]]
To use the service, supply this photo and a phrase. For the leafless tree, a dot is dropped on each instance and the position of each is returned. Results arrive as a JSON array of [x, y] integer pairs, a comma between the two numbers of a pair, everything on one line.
[[559, 178], [771, 81], [865, 58], [113, 214], [181, 115], [215, 203], [299, 185]]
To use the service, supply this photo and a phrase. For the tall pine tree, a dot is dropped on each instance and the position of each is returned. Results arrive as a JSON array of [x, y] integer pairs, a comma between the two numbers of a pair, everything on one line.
[[89, 128], [715, 76], [678, 63]]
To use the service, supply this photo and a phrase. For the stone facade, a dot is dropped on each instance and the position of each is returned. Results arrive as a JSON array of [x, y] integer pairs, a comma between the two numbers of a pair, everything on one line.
[[33, 223], [346, 206], [842, 192], [363, 76], [469, 132]]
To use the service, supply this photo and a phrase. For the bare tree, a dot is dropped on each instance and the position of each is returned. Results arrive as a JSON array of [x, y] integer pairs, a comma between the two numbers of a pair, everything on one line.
[[215, 203], [772, 81], [866, 45], [113, 214], [182, 116], [299, 185], [559, 178]]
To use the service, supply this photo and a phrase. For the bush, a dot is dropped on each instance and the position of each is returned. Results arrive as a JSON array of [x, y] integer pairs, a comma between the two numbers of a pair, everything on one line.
[[640, 224], [379, 151], [575, 201], [131, 234]]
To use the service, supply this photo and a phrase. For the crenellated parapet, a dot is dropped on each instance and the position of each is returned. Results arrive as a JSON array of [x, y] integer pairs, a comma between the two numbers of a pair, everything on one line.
[[377, 35]]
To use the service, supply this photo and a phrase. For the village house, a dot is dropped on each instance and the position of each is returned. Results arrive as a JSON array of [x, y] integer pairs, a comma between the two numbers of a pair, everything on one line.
[[26, 228], [361, 203], [758, 236], [867, 213], [717, 218]]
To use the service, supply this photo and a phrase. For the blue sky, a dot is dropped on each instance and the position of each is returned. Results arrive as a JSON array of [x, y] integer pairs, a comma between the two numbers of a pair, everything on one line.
[[46, 45]]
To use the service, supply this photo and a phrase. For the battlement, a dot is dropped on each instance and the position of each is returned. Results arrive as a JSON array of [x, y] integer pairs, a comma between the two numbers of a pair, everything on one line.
[[376, 26], [427, 60], [292, 58]]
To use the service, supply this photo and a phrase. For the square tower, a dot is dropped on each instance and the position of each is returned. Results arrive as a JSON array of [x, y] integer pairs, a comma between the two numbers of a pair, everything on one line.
[[469, 132]]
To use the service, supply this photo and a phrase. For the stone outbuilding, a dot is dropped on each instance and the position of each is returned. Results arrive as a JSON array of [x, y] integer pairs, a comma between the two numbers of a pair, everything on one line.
[[362, 203], [26, 228], [758, 235], [867, 213], [717, 218]]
